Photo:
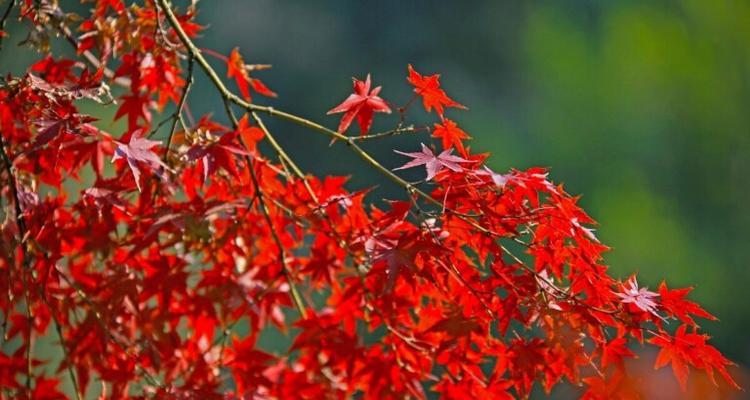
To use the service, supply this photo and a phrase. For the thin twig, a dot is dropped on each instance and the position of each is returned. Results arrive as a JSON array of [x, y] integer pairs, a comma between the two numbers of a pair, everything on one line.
[[392, 132], [178, 112], [229, 97], [293, 291], [66, 356]]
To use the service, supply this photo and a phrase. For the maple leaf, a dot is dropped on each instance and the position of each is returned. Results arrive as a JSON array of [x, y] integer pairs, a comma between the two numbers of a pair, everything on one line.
[[451, 135], [500, 180], [686, 349], [138, 152], [456, 325], [432, 96], [433, 163], [250, 135], [614, 351], [49, 129], [101, 197], [47, 389], [361, 104], [388, 247], [218, 154], [237, 69], [135, 106], [527, 359], [589, 232], [640, 297], [674, 303]]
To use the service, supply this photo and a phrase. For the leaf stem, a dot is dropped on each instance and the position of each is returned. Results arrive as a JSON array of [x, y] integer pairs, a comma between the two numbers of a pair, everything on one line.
[[177, 117]]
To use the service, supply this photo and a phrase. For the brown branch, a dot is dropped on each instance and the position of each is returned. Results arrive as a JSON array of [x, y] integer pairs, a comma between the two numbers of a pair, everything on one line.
[[393, 132], [178, 112]]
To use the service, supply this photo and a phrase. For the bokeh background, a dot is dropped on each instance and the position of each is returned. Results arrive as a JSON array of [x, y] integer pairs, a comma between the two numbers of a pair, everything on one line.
[[642, 106]]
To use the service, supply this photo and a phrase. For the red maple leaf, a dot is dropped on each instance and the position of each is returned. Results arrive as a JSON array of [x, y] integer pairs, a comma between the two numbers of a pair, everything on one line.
[[137, 153], [674, 303], [433, 163], [47, 389], [614, 351], [361, 104], [451, 135], [217, 155], [432, 96], [237, 69], [684, 349], [135, 106], [49, 129], [250, 135]]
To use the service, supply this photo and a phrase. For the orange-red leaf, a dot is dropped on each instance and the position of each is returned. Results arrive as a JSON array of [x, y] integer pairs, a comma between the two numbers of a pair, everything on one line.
[[432, 96], [451, 135], [674, 303]]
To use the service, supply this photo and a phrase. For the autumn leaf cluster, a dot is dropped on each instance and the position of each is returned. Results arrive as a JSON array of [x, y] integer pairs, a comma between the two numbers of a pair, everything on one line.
[[154, 255]]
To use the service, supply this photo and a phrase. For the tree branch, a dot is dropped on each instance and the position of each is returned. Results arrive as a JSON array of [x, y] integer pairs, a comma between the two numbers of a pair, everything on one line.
[[293, 291], [229, 97], [178, 112]]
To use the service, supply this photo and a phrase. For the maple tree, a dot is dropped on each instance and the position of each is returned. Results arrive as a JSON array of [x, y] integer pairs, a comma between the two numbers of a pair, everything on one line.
[[475, 284]]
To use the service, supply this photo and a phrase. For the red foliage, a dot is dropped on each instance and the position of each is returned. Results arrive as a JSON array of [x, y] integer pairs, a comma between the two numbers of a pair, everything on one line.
[[156, 273], [428, 87], [361, 104]]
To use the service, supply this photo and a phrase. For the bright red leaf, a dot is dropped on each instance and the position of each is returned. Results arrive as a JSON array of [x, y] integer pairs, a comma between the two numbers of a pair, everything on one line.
[[432, 96], [673, 301], [361, 104], [451, 135], [238, 70], [690, 349]]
